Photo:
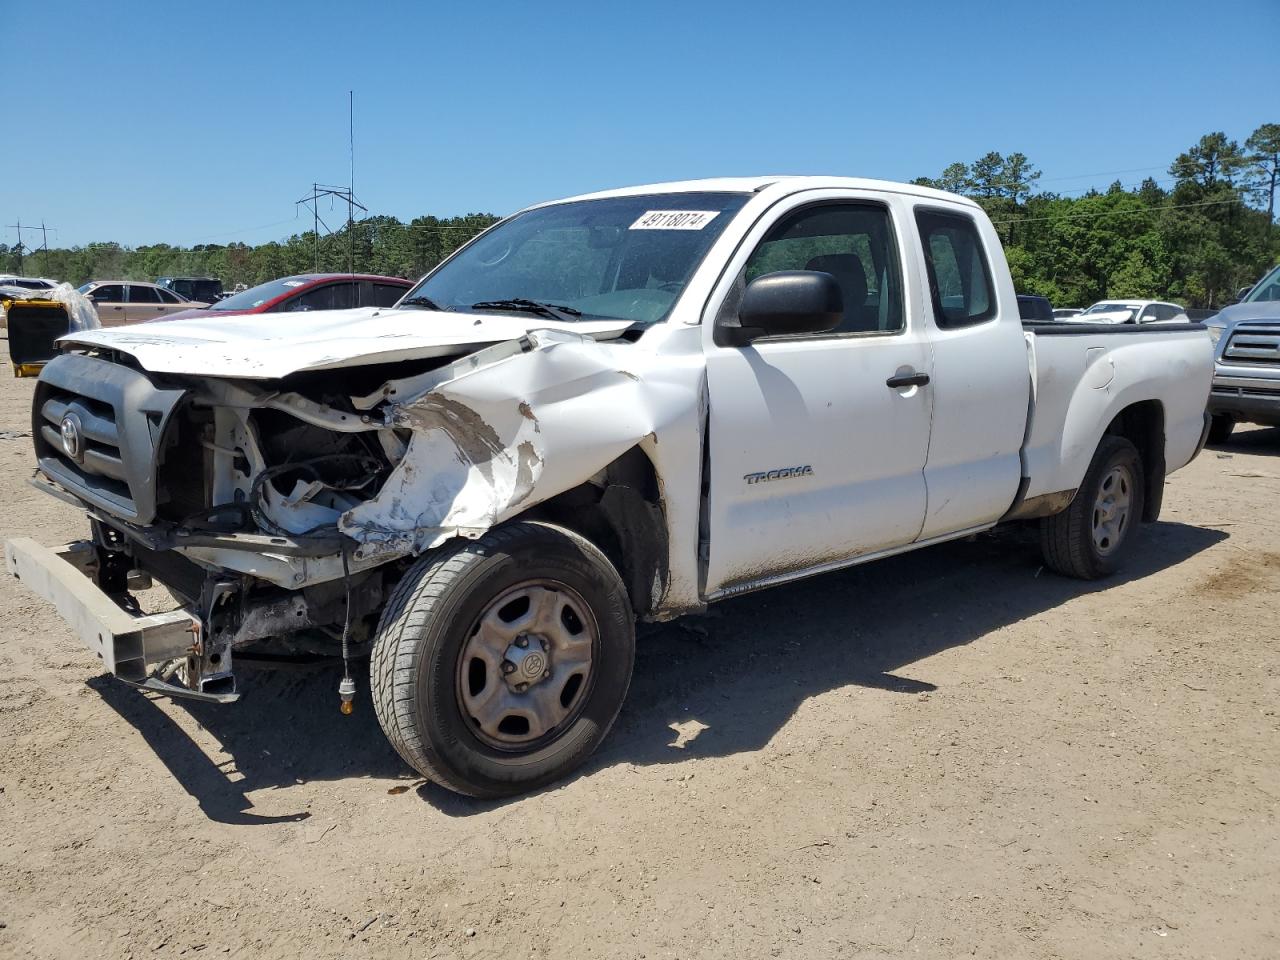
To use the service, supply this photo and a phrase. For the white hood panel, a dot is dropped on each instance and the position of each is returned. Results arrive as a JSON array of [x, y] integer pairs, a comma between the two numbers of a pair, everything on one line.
[[267, 346]]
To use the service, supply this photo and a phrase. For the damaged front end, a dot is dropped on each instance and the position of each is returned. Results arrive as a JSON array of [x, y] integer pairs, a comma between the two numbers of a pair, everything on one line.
[[279, 514]]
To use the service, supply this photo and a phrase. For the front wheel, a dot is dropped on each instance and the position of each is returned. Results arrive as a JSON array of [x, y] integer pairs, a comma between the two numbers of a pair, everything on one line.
[[1221, 426], [1091, 537], [500, 664]]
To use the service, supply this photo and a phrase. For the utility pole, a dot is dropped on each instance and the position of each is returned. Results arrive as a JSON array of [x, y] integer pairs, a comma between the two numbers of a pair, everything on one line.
[[19, 248], [345, 194]]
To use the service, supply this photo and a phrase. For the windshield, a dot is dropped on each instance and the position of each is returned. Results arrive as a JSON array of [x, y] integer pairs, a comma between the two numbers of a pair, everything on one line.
[[1111, 308], [1266, 289], [257, 296], [624, 258]]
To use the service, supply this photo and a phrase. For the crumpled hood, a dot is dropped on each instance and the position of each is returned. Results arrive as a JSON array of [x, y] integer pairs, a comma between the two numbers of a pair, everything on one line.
[[267, 346]]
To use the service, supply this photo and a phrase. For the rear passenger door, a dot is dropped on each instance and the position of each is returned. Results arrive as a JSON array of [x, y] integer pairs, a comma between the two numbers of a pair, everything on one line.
[[144, 303], [816, 453], [981, 379], [108, 299], [171, 303]]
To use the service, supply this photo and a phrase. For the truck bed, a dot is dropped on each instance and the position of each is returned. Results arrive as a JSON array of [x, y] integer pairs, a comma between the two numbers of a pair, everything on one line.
[[1081, 373]]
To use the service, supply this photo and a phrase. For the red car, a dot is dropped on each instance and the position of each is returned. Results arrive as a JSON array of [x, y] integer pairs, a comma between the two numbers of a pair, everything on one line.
[[307, 291]]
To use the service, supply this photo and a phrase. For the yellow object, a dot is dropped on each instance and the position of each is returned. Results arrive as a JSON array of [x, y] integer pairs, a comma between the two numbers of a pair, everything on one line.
[[43, 348], [347, 708]]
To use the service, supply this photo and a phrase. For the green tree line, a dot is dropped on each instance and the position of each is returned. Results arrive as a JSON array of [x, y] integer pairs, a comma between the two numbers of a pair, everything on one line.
[[1194, 238], [379, 244]]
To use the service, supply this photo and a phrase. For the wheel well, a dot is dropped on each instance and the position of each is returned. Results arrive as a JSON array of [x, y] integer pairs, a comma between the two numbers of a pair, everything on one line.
[[1142, 424], [622, 512]]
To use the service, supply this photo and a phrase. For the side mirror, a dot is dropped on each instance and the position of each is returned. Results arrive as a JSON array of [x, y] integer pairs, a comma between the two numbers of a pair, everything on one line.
[[1241, 294], [788, 302]]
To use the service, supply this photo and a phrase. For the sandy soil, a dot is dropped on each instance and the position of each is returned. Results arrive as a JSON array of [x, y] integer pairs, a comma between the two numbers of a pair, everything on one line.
[[947, 754]]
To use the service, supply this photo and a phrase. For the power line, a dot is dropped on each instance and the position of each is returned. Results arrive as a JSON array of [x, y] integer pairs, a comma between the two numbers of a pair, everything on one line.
[[1104, 173]]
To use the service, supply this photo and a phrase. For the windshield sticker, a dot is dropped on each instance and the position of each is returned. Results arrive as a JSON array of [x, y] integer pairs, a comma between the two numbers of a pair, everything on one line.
[[674, 219], [293, 283]]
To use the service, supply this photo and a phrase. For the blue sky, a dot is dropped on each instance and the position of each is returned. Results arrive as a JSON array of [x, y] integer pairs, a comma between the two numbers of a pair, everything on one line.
[[183, 123]]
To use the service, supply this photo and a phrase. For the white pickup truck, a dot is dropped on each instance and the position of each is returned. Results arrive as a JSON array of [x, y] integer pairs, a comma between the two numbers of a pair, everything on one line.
[[619, 406]]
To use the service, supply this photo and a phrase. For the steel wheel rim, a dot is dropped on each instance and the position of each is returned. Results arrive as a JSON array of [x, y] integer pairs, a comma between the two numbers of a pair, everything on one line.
[[527, 665], [1111, 509]]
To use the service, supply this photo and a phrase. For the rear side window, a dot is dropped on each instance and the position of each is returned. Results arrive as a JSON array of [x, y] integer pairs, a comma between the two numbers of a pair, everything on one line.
[[386, 295], [959, 279], [108, 293], [140, 294]]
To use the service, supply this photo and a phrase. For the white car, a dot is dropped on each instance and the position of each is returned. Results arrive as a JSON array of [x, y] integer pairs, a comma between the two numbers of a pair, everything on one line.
[[132, 301], [1132, 311], [15, 288], [20, 285], [620, 406]]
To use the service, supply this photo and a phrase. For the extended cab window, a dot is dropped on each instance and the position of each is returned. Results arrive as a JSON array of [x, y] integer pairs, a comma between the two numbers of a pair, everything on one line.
[[854, 243], [959, 279]]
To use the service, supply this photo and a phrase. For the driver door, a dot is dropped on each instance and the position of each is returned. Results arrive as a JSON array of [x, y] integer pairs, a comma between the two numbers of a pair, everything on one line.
[[815, 455]]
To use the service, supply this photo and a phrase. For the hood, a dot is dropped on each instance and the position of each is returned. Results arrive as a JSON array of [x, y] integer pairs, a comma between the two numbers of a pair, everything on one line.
[[1230, 316], [270, 346]]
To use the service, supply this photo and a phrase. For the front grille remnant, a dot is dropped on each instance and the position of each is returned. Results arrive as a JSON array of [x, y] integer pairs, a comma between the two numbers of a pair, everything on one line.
[[97, 427]]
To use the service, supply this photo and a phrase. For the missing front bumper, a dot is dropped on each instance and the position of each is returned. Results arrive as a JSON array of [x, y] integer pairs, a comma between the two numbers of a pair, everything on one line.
[[128, 644]]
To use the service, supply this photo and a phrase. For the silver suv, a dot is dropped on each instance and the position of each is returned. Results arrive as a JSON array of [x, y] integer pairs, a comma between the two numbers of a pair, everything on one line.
[[1246, 372]]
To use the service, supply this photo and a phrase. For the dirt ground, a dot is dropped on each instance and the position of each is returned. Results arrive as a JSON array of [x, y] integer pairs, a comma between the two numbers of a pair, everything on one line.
[[953, 753]]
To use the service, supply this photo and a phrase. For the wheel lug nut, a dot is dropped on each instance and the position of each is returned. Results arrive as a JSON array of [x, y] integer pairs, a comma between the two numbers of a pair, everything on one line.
[[546, 673], [522, 642], [521, 687], [508, 666]]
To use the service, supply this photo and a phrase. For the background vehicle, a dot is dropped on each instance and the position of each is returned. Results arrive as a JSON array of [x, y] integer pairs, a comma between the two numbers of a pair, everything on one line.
[[1064, 313], [625, 405], [26, 284], [14, 288], [1133, 311], [1246, 374], [132, 301], [309, 291], [196, 289], [1034, 308]]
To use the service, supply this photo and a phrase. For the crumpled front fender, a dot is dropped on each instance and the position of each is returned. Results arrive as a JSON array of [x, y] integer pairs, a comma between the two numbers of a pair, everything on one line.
[[502, 437]]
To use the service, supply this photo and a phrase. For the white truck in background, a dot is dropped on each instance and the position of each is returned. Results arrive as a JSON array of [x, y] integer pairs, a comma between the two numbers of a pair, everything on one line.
[[619, 406]]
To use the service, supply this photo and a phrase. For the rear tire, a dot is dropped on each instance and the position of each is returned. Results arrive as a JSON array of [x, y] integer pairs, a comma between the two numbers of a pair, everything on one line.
[[1092, 537], [1220, 427], [500, 664]]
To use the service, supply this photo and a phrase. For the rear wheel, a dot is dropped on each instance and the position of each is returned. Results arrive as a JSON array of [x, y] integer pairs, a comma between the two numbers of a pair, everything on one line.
[[1091, 537], [1220, 427], [500, 664]]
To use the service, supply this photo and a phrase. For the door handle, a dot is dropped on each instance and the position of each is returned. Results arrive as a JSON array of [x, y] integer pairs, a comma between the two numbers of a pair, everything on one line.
[[909, 380]]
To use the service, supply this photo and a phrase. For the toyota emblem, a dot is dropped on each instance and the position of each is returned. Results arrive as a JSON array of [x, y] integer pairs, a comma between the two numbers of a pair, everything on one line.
[[72, 437]]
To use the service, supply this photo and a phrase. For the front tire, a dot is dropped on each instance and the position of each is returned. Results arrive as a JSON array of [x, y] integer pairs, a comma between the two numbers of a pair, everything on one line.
[[1221, 426], [1091, 538], [500, 664]]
